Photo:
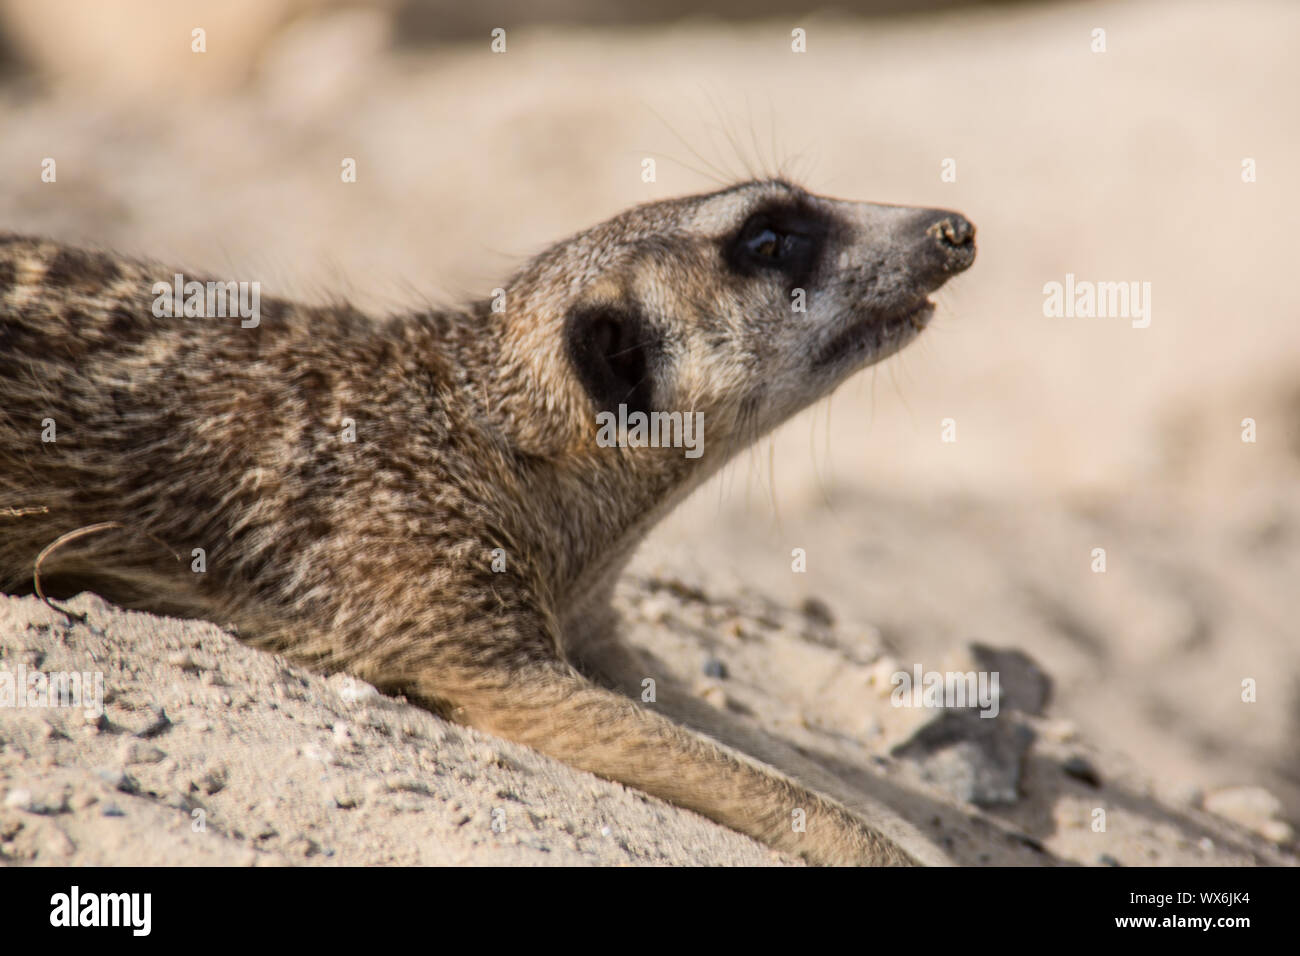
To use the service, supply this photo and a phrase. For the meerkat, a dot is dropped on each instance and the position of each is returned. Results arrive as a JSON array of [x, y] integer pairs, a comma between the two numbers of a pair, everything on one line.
[[423, 500]]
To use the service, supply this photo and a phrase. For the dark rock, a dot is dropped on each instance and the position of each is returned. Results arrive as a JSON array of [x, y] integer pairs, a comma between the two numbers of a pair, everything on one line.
[[976, 759], [1023, 684]]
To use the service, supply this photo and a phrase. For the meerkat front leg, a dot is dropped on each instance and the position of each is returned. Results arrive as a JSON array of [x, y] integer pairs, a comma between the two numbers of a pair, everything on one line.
[[520, 689], [553, 709], [622, 668]]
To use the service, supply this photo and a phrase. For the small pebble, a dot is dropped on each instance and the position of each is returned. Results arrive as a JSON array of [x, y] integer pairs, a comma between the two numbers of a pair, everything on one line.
[[406, 785], [343, 738], [58, 843], [1254, 808], [42, 803], [342, 796], [818, 611], [1245, 805], [657, 609], [882, 674], [1277, 831], [185, 661], [1080, 769], [303, 845], [314, 751], [713, 694], [159, 724], [212, 782], [137, 751], [118, 779], [1060, 731], [355, 691]]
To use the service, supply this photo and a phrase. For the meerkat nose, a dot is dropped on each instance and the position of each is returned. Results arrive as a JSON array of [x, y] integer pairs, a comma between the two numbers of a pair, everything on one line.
[[950, 244]]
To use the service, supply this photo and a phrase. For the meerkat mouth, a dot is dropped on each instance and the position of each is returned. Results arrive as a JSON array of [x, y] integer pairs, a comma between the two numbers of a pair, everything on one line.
[[876, 337]]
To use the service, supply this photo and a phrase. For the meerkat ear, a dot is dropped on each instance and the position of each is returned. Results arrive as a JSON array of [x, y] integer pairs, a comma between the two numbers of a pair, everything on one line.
[[612, 349]]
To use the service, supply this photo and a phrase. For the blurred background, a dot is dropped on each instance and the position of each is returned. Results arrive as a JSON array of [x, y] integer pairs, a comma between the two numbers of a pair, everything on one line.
[[1122, 165]]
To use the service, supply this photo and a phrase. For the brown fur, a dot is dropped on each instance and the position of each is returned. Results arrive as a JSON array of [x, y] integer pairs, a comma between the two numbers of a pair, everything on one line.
[[473, 433]]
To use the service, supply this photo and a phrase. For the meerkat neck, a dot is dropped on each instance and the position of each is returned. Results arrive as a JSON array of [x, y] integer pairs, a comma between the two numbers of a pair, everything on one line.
[[602, 500]]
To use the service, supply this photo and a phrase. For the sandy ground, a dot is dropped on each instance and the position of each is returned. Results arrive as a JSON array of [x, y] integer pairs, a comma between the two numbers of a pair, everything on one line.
[[208, 752], [1072, 434], [260, 763]]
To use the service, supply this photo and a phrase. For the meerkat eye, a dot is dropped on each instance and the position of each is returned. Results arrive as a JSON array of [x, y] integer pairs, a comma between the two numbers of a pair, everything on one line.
[[788, 240], [766, 244], [769, 244]]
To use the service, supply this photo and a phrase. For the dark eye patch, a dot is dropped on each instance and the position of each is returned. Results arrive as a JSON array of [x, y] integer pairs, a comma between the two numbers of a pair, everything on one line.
[[782, 237]]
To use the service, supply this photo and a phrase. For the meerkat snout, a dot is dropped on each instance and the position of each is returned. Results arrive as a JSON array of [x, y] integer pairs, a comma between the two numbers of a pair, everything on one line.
[[950, 244]]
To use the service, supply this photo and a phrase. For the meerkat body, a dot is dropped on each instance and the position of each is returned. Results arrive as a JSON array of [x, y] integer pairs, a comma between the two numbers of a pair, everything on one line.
[[423, 500]]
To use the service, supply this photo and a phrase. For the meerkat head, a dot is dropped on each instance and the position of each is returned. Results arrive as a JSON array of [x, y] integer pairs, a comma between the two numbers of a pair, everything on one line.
[[740, 307]]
